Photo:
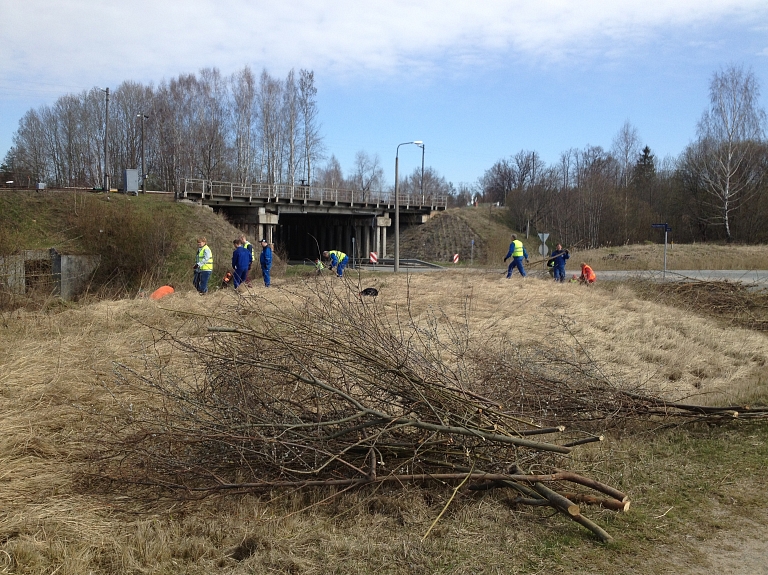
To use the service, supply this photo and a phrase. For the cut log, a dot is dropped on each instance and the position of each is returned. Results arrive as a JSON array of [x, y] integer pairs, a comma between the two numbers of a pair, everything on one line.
[[591, 483], [605, 503], [556, 500]]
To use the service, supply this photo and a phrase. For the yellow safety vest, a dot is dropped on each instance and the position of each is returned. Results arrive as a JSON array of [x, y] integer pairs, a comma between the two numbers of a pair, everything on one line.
[[250, 251], [205, 259], [518, 251], [339, 255]]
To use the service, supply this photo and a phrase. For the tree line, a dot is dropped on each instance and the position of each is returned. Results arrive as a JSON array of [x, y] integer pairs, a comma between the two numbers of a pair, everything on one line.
[[717, 189], [247, 129], [240, 128]]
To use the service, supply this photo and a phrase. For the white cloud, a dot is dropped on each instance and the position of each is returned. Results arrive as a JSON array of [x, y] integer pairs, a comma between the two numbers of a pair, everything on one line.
[[79, 42]]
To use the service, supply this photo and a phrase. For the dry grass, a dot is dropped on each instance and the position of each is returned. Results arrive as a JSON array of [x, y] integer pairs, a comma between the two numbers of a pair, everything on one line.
[[679, 257], [452, 232], [51, 520]]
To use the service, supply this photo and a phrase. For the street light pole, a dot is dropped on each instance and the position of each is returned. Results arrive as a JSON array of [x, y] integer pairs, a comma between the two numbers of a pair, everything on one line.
[[106, 139], [143, 168], [397, 203], [422, 146]]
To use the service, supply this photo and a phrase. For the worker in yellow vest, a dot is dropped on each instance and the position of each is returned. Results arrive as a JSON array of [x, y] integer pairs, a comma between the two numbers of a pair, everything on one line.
[[339, 260], [517, 252], [203, 266], [249, 247]]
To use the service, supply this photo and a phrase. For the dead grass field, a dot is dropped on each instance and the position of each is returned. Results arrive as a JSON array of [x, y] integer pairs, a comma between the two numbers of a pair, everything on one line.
[[694, 490]]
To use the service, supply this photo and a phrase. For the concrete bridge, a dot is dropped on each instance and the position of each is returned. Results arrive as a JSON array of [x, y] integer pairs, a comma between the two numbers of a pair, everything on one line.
[[304, 220]]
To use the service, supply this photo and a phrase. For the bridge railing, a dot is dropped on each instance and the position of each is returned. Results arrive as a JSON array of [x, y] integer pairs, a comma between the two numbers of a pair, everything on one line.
[[211, 189]]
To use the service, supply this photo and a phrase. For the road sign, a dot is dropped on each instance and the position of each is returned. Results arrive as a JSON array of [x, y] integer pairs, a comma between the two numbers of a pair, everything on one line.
[[543, 250], [543, 237], [374, 257], [666, 229], [455, 258]]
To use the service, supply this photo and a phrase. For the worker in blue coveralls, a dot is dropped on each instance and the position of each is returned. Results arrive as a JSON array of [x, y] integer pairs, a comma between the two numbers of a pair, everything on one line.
[[339, 260], [265, 261], [241, 261], [557, 259], [517, 252]]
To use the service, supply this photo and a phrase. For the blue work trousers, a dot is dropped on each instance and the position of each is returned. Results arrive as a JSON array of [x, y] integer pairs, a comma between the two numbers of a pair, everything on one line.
[[516, 263], [200, 280], [239, 276], [265, 273], [559, 273], [341, 265]]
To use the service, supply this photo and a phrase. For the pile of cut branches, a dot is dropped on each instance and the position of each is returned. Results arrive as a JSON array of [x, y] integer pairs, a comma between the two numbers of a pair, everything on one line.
[[736, 303], [329, 390]]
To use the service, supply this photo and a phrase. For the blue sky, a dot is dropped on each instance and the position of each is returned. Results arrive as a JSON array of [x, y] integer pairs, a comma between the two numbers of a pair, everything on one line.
[[476, 81]]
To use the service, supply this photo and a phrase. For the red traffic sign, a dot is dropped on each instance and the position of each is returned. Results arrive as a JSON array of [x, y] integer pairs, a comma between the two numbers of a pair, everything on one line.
[[373, 257], [455, 258]]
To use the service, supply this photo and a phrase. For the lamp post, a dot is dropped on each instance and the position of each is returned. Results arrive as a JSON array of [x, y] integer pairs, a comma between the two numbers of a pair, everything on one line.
[[143, 169], [106, 139], [422, 146], [397, 203]]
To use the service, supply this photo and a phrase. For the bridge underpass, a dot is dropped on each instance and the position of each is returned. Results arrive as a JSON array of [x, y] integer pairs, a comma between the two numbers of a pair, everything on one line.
[[302, 221]]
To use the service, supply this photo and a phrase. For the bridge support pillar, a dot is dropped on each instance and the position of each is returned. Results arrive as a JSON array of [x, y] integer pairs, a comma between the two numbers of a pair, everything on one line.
[[366, 242], [382, 223], [267, 223]]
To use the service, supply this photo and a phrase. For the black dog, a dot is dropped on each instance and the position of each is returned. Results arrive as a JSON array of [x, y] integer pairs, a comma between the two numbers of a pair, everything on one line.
[[372, 292]]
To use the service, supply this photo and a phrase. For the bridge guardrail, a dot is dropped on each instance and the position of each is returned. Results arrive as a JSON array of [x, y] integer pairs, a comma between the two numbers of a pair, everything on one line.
[[277, 192]]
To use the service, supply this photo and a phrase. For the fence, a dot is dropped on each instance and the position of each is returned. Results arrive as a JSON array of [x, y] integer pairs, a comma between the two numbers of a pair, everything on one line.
[[211, 189]]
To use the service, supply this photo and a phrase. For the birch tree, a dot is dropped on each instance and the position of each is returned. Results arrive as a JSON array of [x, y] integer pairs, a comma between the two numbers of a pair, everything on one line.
[[728, 147], [626, 147], [368, 174], [310, 127], [244, 118]]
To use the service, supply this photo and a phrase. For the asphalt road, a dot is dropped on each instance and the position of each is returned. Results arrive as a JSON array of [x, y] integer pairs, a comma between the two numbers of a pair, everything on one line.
[[758, 278]]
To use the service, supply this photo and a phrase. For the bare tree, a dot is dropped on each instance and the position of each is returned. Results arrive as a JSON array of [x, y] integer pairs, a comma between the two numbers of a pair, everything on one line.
[[244, 117], [368, 173], [211, 125], [728, 150], [498, 181], [462, 196], [202, 126], [268, 97], [626, 147], [29, 147], [331, 176], [595, 180], [313, 143], [290, 117]]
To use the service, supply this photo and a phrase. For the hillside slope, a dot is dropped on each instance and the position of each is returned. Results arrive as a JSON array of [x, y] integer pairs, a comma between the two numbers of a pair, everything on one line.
[[143, 241], [452, 232]]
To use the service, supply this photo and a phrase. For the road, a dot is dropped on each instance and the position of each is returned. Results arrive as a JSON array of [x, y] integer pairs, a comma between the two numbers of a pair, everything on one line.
[[757, 277]]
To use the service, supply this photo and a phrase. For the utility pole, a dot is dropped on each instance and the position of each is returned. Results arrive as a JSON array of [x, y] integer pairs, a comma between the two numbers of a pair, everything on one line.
[[422, 146], [106, 139], [143, 165]]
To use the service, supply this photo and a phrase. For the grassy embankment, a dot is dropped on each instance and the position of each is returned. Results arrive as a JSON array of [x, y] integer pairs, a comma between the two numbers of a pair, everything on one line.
[[143, 241], [697, 491], [452, 232]]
